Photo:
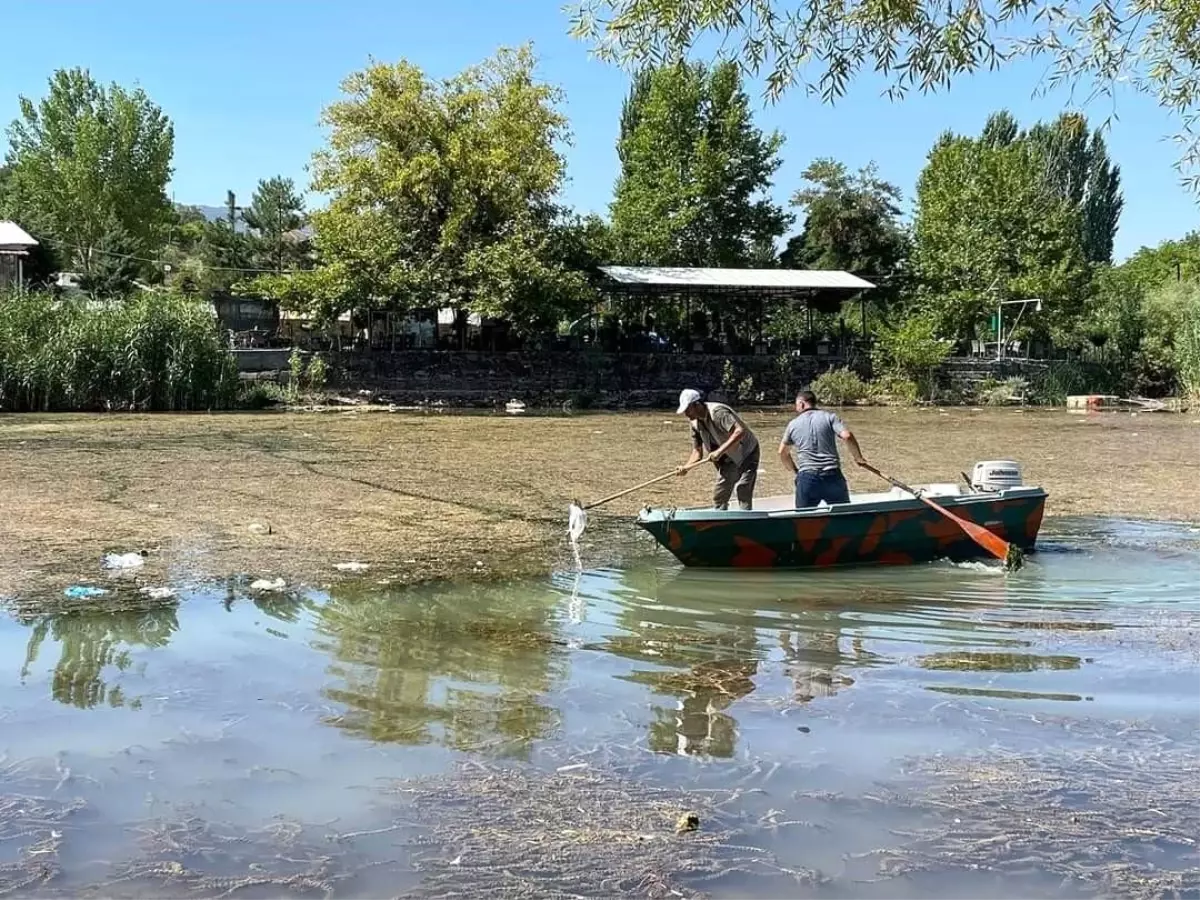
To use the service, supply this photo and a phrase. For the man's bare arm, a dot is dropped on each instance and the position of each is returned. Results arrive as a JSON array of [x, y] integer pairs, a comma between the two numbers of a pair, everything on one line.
[[697, 453], [738, 433], [852, 443], [785, 454]]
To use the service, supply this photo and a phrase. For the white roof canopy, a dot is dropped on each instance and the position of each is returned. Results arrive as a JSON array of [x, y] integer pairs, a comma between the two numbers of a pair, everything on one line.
[[769, 279], [14, 238]]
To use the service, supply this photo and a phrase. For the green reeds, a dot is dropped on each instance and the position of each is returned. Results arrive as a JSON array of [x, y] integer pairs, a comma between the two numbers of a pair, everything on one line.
[[148, 352]]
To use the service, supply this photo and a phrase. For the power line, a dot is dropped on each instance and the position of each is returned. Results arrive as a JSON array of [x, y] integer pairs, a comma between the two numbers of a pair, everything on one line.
[[63, 245]]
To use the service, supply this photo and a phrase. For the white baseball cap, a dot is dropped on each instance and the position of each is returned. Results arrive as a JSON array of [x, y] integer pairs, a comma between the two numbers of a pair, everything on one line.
[[687, 398]]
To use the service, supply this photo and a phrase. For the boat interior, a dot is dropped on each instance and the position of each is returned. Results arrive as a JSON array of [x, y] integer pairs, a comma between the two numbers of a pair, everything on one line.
[[781, 502]]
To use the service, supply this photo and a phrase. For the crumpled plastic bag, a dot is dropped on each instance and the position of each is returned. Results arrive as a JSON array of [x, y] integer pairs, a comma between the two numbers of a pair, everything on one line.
[[124, 560], [84, 592]]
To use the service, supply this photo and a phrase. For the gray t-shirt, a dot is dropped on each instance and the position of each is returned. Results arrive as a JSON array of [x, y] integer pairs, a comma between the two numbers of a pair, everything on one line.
[[712, 433], [812, 435]]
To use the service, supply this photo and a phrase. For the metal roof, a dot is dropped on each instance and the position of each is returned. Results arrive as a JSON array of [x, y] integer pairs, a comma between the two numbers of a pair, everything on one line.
[[777, 279], [14, 237]]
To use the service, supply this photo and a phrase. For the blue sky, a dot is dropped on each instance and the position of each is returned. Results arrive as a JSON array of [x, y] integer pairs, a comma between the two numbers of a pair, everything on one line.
[[245, 81]]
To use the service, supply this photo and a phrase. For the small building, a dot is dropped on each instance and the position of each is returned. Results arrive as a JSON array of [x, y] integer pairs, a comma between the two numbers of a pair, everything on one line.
[[15, 244], [712, 303]]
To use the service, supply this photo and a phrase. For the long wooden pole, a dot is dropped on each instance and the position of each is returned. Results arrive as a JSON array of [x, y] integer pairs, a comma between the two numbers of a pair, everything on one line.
[[644, 484]]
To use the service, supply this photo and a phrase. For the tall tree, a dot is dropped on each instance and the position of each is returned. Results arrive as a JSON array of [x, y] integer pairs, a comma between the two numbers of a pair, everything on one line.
[[695, 171], [1079, 171], [987, 227], [1177, 260], [208, 257], [631, 109], [1103, 203], [852, 222], [1154, 45], [114, 268], [86, 160], [442, 194], [1000, 130], [275, 213]]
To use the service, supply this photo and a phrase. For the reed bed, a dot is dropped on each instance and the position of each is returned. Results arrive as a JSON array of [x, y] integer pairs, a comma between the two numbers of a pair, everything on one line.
[[151, 352]]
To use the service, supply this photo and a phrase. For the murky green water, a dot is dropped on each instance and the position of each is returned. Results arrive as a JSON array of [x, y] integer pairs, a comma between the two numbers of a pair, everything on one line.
[[930, 731]]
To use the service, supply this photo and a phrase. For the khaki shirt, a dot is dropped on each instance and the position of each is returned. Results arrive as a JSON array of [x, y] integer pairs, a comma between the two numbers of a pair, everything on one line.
[[714, 431]]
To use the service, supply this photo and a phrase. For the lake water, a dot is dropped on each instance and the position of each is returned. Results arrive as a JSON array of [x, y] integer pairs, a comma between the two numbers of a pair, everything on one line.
[[932, 731]]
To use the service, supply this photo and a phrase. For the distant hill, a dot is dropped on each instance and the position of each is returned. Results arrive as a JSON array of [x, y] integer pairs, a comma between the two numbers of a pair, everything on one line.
[[221, 214], [218, 214]]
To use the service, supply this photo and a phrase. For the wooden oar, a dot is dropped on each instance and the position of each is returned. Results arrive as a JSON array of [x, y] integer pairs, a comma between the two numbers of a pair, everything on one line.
[[1009, 554]]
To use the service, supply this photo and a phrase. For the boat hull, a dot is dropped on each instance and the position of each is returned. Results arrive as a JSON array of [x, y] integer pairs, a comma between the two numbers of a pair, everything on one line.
[[900, 532]]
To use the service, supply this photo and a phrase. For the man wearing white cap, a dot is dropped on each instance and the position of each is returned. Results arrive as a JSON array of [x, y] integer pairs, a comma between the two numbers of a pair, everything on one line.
[[731, 446]]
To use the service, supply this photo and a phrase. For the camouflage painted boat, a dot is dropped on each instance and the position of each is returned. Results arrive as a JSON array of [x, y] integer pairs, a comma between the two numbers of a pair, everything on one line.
[[891, 528]]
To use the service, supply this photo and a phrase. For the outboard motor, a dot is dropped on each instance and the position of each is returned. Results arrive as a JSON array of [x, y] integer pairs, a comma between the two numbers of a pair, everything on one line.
[[996, 475]]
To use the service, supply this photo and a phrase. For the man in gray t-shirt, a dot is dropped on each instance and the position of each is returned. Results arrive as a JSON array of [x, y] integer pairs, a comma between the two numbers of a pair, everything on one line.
[[809, 450]]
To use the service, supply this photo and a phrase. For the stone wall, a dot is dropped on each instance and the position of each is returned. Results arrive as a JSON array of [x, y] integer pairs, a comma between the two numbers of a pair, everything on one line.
[[586, 380]]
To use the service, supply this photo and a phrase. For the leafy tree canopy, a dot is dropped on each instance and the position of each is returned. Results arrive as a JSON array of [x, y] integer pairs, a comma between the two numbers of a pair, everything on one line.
[[987, 227], [274, 216], [852, 223], [442, 194], [1151, 45], [1169, 261], [88, 163], [694, 172]]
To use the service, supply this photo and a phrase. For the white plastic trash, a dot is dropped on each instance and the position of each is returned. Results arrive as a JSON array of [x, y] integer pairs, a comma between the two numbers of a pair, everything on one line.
[[124, 561], [577, 519], [351, 567], [265, 586]]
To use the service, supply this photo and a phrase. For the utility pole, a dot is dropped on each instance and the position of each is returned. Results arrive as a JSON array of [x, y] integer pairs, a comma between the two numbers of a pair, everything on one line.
[[279, 236], [231, 202]]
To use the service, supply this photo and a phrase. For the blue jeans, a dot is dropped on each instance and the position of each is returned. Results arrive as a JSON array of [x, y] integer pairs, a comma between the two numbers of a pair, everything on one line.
[[813, 487]]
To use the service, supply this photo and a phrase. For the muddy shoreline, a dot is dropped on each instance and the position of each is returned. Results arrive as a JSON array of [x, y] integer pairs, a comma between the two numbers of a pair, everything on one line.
[[421, 496]]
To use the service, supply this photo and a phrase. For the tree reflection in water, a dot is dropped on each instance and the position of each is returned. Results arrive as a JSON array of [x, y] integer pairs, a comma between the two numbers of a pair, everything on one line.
[[707, 645], [91, 641], [462, 666]]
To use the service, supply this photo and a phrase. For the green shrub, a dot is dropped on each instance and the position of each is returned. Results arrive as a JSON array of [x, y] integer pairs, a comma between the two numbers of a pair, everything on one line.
[[1000, 393], [295, 374], [912, 351], [894, 389], [148, 352], [839, 387], [260, 395], [317, 374]]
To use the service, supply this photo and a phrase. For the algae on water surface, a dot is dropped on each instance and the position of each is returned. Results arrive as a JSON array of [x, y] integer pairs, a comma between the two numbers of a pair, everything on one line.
[[936, 731], [419, 496]]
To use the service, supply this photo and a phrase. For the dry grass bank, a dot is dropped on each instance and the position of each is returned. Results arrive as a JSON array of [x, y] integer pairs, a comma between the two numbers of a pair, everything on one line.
[[433, 495]]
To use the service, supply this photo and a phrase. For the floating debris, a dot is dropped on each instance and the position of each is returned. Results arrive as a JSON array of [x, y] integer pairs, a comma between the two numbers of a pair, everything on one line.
[[125, 560], [84, 592], [1099, 817], [158, 593], [351, 567], [522, 832], [577, 520], [265, 586]]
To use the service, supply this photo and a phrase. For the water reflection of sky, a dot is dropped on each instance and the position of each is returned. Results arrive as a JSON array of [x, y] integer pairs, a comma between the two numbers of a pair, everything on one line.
[[285, 703]]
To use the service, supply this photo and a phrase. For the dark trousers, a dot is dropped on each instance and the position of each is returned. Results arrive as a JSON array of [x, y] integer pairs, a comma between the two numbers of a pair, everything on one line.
[[733, 479], [813, 487]]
